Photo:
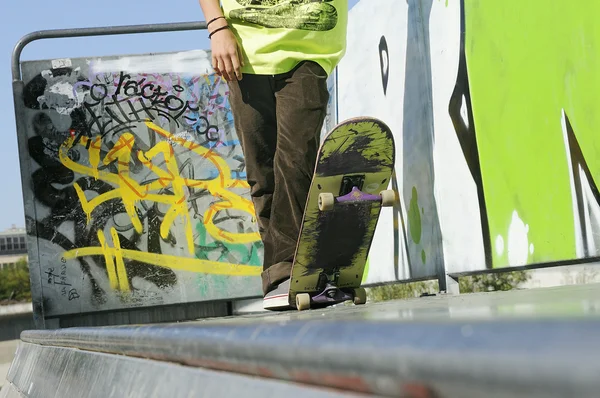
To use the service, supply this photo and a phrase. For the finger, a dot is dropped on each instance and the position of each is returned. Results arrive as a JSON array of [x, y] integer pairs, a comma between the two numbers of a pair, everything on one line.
[[239, 52], [222, 69], [216, 67], [228, 66], [215, 64], [236, 66]]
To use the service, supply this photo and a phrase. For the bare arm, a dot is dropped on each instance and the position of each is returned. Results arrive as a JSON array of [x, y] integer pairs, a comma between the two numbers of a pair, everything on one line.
[[226, 58]]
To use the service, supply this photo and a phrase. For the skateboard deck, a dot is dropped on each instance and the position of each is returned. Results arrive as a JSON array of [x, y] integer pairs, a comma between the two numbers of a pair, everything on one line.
[[349, 187]]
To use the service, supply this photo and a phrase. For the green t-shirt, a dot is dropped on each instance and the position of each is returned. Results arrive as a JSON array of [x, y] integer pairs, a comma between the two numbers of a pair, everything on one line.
[[275, 35]]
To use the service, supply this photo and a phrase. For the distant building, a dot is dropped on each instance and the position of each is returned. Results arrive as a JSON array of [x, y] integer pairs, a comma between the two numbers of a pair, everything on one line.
[[13, 246]]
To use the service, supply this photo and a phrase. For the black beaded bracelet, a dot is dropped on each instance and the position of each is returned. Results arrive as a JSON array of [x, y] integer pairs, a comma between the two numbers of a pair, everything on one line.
[[216, 30]]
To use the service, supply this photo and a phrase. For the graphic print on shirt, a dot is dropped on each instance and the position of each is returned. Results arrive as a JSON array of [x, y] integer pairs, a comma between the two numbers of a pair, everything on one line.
[[315, 15]]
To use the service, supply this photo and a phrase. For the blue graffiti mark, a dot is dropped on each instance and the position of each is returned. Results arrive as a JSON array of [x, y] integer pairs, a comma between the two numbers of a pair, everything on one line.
[[240, 175]]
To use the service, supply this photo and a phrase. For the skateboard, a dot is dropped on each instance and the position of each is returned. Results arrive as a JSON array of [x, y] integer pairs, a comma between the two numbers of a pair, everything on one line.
[[349, 187]]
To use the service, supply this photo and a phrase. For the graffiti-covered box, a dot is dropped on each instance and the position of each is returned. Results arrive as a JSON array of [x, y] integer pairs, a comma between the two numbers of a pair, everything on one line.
[[134, 184]]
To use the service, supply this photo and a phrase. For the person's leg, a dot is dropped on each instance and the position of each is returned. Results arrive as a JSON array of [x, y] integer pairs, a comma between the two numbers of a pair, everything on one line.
[[252, 101], [301, 99]]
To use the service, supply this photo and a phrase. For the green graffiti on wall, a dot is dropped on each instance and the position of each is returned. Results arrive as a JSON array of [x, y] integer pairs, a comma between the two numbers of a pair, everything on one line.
[[414, 217], [415, 224], [526, 62], [235, 253]]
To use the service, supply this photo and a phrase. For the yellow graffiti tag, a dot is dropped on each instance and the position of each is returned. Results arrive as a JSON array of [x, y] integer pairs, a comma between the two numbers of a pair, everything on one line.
[[115, 264], [130, 192]]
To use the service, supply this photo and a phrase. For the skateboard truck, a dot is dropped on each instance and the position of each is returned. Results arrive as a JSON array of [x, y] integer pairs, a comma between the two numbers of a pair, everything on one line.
[[332, 294], [327, 200], [329, 293]]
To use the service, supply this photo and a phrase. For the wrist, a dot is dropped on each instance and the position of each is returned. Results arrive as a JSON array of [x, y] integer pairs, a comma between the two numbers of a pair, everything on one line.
[[216, 30], [216, 23]]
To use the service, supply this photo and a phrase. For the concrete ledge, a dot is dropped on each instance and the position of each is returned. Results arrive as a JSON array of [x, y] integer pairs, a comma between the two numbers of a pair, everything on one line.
[[42, 372], [504, 358], [531, 343]]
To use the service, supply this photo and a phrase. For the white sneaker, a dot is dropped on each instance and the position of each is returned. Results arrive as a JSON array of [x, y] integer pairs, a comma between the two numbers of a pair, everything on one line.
[[279, 298]]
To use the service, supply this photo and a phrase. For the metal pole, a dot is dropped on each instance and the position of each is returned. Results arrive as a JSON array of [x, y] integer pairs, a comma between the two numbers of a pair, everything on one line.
[[98, 31]]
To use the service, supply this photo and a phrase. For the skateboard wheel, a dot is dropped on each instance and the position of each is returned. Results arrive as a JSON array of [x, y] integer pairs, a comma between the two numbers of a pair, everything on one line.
[[302, 301], [388, 198], [360, 296], [326, 201]]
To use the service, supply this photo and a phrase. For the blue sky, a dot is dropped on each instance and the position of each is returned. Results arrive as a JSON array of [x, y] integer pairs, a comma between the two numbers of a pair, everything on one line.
[[23, 17]]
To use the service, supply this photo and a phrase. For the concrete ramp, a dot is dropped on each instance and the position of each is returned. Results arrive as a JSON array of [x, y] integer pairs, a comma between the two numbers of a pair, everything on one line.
[[535, 343]]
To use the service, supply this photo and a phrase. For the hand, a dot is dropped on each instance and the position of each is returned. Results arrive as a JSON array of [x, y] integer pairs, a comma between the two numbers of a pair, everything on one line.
[[226, 54]]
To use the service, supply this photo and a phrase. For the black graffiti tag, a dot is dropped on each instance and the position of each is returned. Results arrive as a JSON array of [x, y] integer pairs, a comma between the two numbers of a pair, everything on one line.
[[134, 101], [384, 63]]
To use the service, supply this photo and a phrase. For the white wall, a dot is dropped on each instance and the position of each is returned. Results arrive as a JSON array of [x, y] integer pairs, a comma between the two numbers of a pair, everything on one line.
[[439, 210]]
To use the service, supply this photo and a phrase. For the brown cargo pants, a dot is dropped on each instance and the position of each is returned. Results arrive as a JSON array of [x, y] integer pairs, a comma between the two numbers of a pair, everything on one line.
[[278, 119]]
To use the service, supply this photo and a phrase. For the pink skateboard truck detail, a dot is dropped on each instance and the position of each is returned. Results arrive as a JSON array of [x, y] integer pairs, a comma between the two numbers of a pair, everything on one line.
[[356, 195]]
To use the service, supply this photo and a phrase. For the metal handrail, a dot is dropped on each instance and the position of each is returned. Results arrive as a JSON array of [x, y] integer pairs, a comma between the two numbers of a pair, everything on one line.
[[98, 31]]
